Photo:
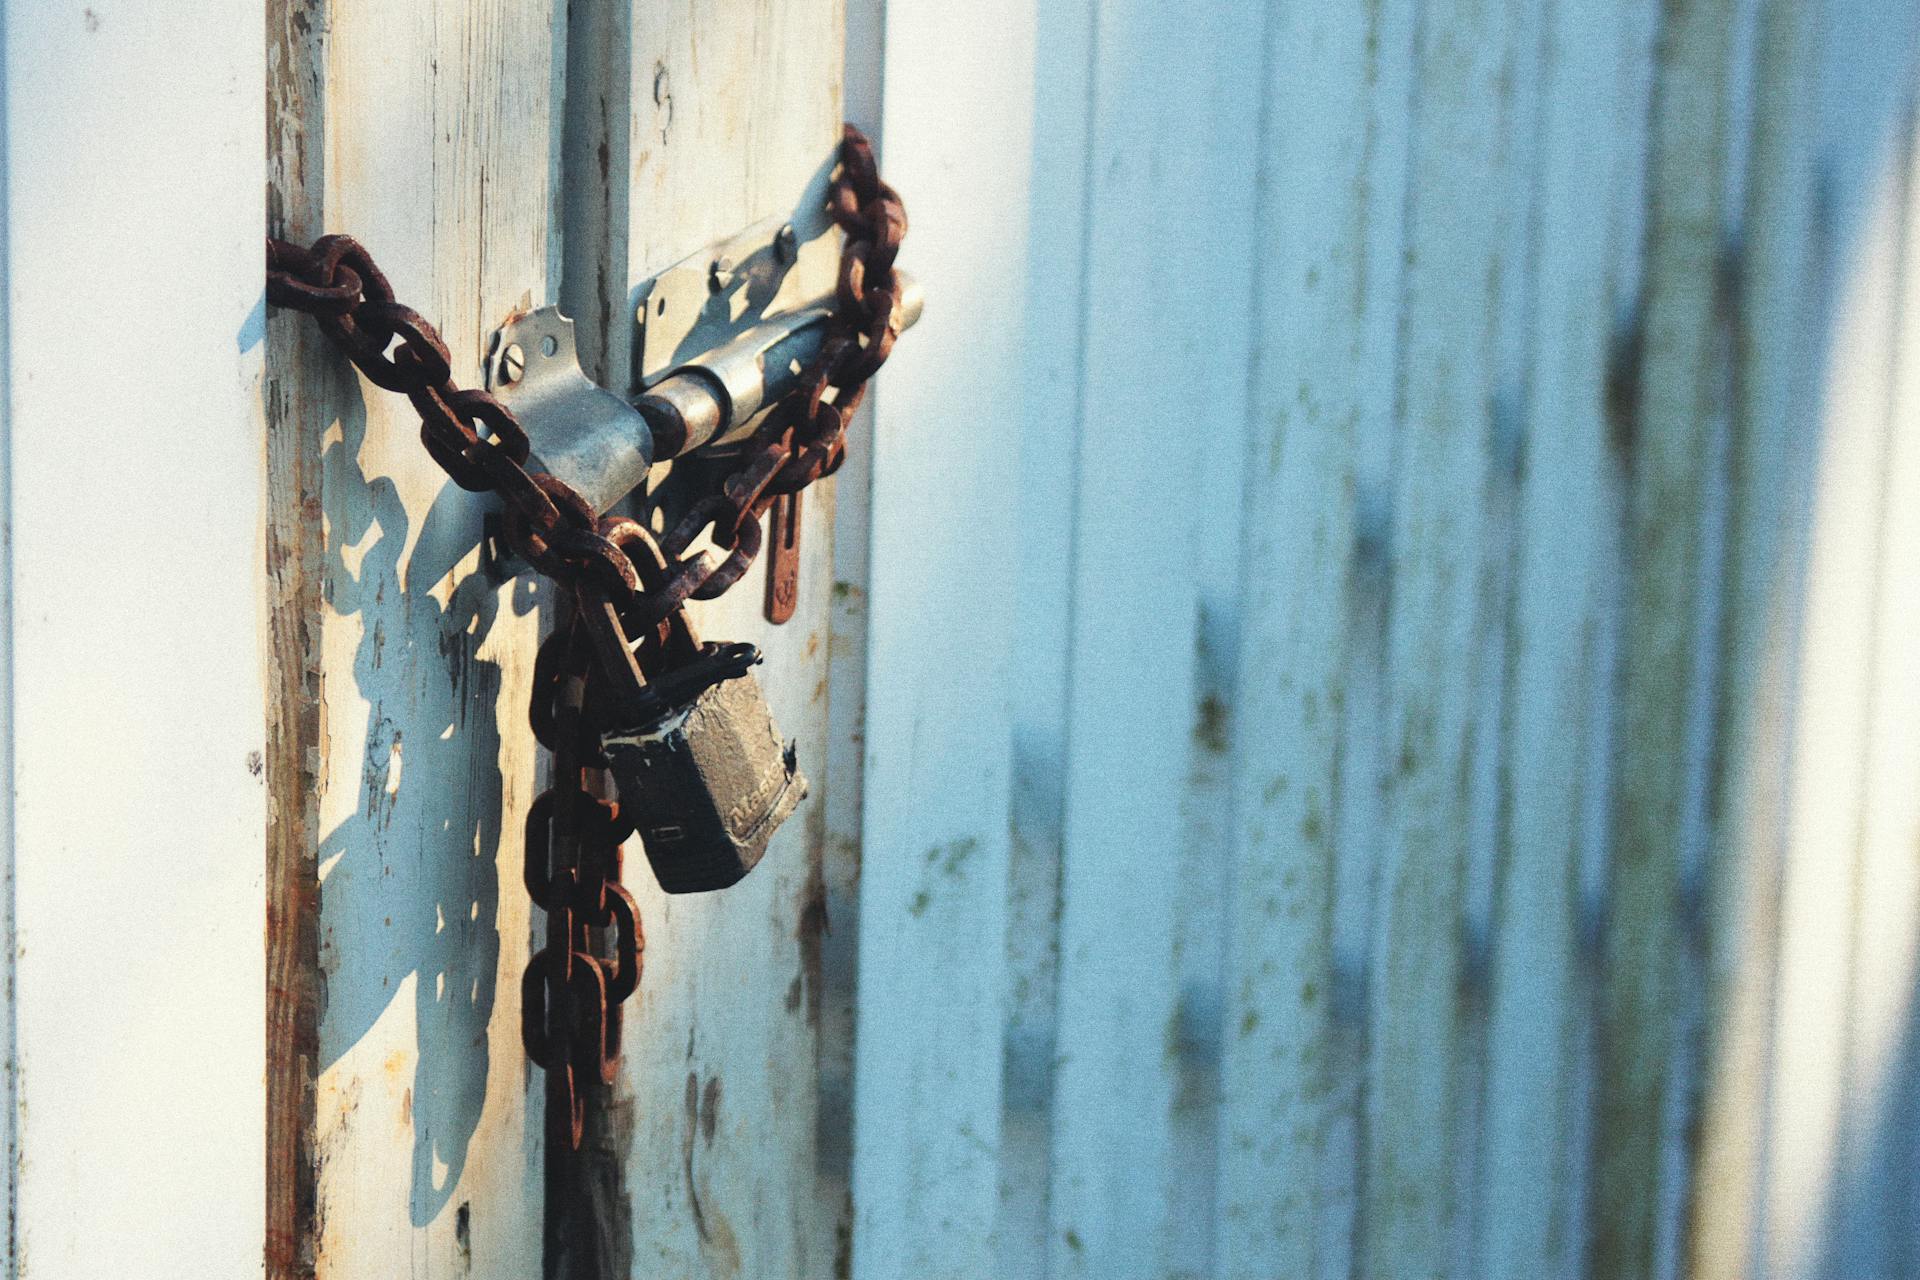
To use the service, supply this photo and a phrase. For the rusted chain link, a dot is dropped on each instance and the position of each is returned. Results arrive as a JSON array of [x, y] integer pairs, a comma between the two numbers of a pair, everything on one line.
[[573, 987], [804, 438], [570, 996]]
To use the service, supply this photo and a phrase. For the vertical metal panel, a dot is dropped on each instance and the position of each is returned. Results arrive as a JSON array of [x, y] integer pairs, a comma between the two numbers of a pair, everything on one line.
[[927, 1089], [1565, 634]]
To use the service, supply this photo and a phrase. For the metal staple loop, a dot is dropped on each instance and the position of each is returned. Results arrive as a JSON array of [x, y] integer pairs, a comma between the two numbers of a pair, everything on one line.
[[573, 987]]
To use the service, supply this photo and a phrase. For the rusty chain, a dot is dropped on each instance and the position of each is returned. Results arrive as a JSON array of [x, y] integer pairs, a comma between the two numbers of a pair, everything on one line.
[[573, 987], [804, 438]]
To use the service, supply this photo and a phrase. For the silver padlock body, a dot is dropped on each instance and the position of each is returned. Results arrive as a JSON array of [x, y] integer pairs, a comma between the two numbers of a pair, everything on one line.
[[708, 785]]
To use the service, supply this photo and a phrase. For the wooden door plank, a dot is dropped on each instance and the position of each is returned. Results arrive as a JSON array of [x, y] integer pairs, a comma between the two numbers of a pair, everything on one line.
[[1819, 890], [927, 1088], [294, 603], [1055, 296], [1637, 74], [1332, 169], [1231, 58], [430, 141], [1874, 1217], [1675, 386], [1519, 116], [845, 772], [1166, 287], [701, 118], [1887, 1071], [131, 709]]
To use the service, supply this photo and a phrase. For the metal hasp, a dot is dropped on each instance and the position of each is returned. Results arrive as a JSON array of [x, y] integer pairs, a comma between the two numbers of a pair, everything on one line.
[[716, 400], [579, 430], [762, 339]]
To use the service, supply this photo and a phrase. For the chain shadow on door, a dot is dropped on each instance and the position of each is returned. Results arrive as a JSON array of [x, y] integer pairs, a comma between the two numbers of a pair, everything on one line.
[[409, 882]]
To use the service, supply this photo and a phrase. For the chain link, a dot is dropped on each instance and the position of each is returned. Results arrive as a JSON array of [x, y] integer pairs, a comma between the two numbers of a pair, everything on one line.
[[803, 438], [572, 989]]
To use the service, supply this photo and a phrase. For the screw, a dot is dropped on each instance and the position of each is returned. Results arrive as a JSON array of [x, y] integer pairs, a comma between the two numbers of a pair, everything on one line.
[[513, 364], [786, 245], [720, 275]]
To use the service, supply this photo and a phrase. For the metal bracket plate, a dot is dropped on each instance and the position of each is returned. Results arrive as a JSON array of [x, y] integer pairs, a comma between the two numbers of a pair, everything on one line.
[[721, 336], [534, 368], [704, 302]]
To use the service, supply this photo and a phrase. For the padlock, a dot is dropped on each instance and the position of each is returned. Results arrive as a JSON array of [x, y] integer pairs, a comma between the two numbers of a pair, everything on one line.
[[706, 779]]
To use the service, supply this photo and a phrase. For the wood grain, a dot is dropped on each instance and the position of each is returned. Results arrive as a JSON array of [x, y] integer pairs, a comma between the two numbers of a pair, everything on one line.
[[295, 585], [701, 119], [426, 135]]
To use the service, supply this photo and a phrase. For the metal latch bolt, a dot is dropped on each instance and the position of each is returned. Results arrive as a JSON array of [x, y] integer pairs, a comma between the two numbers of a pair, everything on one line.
[[602, 444]]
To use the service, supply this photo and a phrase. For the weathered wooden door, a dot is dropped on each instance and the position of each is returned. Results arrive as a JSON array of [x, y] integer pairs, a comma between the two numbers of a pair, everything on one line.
[[499, 157]]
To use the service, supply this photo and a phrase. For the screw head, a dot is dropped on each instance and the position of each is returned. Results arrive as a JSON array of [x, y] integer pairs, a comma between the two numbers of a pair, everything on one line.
[[720, 275], [513, 364], [786, 245]]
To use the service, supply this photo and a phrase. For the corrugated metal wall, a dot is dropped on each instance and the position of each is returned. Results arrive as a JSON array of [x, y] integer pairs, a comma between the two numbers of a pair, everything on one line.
[[1459, 809]]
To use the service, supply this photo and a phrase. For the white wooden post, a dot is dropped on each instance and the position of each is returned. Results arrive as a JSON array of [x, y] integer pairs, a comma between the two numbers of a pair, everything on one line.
[[131, 716]]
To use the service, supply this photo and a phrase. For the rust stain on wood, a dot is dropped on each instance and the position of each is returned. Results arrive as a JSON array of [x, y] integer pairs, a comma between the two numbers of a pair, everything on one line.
[[294, 721]]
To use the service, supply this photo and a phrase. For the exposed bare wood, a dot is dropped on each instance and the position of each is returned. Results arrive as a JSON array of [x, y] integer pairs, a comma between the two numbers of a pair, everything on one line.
[[295, 133]]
